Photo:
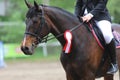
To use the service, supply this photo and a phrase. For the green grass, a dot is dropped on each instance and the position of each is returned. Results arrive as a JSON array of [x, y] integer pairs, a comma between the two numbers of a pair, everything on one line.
[[14, 53]]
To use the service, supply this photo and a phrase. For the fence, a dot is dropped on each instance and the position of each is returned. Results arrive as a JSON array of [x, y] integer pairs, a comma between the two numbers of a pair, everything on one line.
[[44, 47]]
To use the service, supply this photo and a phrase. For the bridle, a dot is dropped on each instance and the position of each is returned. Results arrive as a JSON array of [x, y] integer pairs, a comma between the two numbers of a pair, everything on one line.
[[48, 37], [42, 23]]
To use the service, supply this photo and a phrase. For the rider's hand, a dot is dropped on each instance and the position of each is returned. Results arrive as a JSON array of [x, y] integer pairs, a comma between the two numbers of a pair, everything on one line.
[[87, 17]]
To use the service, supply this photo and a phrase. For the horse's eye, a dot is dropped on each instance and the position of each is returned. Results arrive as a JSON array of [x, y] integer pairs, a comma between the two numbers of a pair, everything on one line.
[[27, 20]]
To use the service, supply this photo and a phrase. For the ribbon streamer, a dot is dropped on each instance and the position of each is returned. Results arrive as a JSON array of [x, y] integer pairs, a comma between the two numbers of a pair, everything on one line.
[[68, 38]]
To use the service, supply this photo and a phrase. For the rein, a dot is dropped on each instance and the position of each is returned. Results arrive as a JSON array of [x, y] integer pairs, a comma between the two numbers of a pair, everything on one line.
[[74, 28]]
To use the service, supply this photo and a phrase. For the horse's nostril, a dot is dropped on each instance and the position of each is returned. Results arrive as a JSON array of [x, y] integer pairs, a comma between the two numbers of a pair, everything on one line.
[[24, 48]]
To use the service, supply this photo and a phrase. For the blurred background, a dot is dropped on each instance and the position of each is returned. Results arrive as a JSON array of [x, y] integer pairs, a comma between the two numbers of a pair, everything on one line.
[[12, 27]]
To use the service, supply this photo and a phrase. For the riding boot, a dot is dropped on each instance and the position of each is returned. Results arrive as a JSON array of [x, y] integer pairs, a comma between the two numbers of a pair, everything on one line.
[[112, 53]]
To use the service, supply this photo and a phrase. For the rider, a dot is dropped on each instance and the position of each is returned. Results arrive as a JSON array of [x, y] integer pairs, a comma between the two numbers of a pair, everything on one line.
[[96, 10]]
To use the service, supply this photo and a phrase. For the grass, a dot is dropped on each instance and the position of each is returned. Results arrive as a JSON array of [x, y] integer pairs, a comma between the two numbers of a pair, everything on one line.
[[13, 53]]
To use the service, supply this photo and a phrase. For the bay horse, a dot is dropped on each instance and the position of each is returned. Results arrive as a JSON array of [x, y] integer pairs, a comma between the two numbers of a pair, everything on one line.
[[84, 60]]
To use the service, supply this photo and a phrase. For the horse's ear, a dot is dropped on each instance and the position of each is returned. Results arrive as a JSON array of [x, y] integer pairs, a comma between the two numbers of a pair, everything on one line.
[[36, 6], [28, 5]]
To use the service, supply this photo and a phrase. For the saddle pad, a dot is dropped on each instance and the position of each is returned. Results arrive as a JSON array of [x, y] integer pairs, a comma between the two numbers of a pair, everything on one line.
[[117, 38], [99, 36]]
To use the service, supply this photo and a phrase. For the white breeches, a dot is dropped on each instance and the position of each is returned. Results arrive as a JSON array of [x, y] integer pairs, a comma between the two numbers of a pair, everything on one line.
[[105, 27]]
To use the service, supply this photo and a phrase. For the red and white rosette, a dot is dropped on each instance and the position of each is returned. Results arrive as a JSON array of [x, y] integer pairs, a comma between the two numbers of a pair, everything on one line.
[[68, 44]]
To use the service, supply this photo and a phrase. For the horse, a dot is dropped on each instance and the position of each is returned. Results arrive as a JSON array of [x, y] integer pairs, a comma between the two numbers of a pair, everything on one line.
[[85, 57]]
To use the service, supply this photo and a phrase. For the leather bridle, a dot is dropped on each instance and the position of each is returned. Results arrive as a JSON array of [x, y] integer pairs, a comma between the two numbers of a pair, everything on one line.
[[42, 23]]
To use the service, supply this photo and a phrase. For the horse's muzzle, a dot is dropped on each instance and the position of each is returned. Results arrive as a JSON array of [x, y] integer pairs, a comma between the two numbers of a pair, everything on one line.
[[27, 50]]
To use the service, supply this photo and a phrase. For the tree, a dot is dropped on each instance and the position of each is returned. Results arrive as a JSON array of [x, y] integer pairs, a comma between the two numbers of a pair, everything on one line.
[[113, 7], [47, 2]]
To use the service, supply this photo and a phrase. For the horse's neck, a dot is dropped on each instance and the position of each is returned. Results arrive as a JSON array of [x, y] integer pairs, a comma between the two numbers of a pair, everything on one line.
[[83, 40], [61, 21]]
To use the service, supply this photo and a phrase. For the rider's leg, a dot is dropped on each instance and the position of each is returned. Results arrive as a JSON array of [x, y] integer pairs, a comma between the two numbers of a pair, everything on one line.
[[105, 27]]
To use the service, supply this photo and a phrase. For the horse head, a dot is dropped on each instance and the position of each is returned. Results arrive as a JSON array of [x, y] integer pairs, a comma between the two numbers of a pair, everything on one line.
[[36, 28], [42, 20]]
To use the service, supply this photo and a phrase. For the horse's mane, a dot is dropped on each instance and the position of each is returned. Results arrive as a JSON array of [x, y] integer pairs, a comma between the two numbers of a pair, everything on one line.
[[61, 10]]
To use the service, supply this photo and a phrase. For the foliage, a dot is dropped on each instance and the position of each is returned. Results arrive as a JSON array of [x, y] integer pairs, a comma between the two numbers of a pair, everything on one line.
[[65, 4], [17, 9], [113, 7], [12, 34]]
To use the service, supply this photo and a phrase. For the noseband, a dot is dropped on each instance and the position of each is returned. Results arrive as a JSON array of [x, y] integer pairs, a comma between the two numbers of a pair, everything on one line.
[[35, 35]]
